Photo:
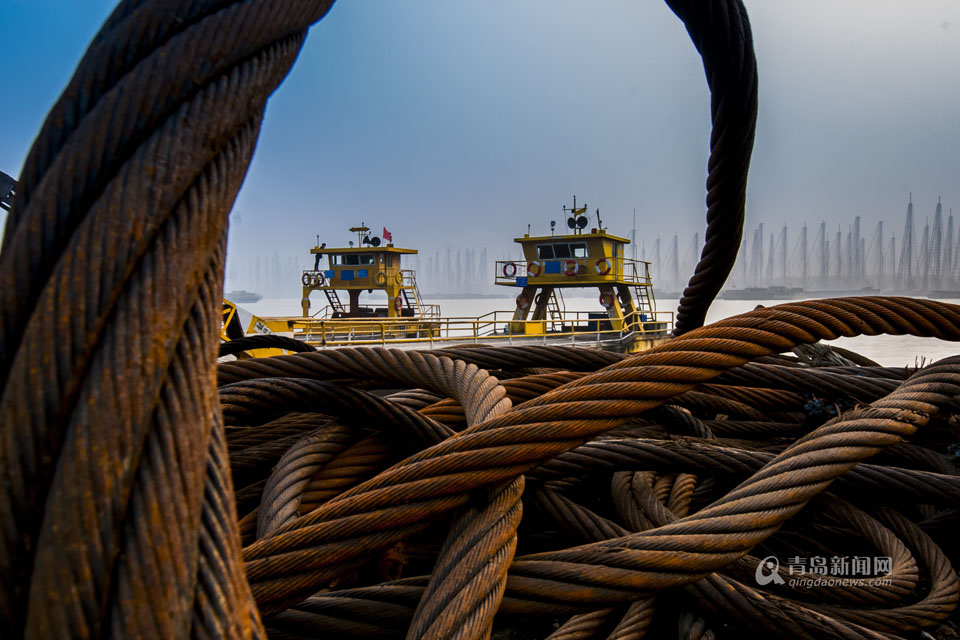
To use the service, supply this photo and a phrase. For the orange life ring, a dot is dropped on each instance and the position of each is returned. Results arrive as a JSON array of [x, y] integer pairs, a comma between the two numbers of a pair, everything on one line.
[[398, 303], [606, 300], [571, 267], [522, 302], [534, 268], [509, 270], [602, 267]]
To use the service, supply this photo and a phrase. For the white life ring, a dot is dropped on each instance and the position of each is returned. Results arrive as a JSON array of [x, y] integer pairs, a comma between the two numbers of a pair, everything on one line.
[[602, 267], [571, 267], [523, 302], [534, 268], [509, 270], [606, 300]]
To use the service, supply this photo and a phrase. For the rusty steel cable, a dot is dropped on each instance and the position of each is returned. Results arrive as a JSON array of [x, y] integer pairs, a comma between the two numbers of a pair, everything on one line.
[[142, 327], [867, 480], [583, 414], [753, 510], [731, 70], [266, 341]]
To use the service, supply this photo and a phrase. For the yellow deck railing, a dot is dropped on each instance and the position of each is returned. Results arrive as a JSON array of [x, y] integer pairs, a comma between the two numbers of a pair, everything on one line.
[[496, 326]]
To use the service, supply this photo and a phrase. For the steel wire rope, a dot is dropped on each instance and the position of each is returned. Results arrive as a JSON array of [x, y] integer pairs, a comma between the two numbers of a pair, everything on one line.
[[723, 532], [721, 33], [265, 341], [566, 417], [602, 456], [636, 500], [105, 150]]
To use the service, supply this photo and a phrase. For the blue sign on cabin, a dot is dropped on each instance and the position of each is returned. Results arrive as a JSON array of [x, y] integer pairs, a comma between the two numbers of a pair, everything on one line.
[[346, 274], [363, 273], [521, 281], [329, 274], [552, 267]]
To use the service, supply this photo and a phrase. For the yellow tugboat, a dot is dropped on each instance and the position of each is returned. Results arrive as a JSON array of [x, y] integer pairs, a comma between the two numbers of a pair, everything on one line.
[[364, 267], [627, 320]]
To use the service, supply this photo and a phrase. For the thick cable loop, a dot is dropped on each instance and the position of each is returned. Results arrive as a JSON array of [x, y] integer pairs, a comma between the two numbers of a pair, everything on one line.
[[266, 341], [720, 30], [478, 391], [125, 346], [285, 487]]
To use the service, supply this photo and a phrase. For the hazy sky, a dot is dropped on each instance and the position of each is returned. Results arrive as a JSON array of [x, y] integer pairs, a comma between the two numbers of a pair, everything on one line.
[[457, 123]]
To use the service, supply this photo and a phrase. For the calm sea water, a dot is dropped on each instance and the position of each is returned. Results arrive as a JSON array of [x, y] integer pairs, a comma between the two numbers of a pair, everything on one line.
[[891, 351]]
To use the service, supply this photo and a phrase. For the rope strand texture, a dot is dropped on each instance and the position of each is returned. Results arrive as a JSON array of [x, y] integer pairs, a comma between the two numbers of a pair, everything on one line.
[[721, 32], [291, 562], [108, 324]]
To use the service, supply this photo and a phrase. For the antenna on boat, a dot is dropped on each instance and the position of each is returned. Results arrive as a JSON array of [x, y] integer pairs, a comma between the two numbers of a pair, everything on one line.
[[361, 232], [577, 221], [599, 223], [553, 226]]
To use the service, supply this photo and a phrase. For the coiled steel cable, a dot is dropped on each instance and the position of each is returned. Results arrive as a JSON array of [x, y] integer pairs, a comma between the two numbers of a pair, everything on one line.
[[567, 416]]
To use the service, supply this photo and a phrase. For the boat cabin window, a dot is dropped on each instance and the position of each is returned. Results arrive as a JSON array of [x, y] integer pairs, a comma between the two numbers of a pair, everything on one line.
[[352, 259], [573, 250]]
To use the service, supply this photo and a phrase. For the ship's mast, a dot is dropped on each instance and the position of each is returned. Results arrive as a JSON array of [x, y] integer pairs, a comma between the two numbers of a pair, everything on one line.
[[936, 242], [905, 270], [803, 254]]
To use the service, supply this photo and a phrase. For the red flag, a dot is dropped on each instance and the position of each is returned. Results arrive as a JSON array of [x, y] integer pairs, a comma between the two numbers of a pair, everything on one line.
[[387, 236]]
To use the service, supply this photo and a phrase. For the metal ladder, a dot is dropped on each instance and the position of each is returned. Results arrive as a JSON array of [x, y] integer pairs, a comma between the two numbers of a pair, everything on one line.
[[414, 301], [334, 300], [642, 296], [555, 306]]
